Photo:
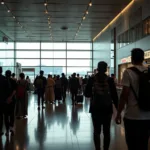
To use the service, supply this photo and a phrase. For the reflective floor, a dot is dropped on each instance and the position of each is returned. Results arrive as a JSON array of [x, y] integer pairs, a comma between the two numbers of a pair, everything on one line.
[[58, 127]]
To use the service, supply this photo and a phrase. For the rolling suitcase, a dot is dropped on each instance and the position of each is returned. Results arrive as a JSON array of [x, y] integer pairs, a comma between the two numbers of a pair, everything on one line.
[[79, 98]]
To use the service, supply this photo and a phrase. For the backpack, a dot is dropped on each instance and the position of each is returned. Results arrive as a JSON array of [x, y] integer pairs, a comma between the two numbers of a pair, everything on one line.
[[39, 83], [102, 101], [21, 89], [143, 96]]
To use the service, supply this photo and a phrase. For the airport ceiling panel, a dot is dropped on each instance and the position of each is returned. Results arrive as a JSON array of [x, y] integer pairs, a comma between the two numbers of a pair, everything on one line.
[[27, 20]]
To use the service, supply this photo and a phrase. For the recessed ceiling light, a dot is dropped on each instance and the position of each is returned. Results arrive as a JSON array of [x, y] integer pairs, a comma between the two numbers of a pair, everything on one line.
[[8, 11], [14, 17], [87, 12], [84, 18], [90, 4], [46, 12], [45, 4], [2, 2]]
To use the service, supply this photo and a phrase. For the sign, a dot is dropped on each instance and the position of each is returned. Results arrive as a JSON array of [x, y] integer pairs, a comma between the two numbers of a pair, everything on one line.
[[128, 59]]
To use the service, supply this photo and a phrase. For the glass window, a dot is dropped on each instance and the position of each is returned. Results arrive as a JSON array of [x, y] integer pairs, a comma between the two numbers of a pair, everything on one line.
[[79, 46], [81, 70], [6, 62], [53, 62], [53, 54], [6, 54], [29, 62], [78, 54], [5, 46], [27, 46], [11, 68], [48, 46], [28, 54], [79, 62], [54, 70]]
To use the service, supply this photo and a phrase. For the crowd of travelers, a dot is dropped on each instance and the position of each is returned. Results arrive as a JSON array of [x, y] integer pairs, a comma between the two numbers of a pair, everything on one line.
[[100, 88]]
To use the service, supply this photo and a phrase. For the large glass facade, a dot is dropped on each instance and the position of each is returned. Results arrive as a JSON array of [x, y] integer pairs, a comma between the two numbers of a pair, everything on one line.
[[52, 58]]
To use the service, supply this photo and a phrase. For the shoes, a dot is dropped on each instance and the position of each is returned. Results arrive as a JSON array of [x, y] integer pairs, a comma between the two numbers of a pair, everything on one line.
[[38, 107]]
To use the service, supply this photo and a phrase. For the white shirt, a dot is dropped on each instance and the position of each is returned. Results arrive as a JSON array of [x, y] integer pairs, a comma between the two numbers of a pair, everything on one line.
[[132, 110]]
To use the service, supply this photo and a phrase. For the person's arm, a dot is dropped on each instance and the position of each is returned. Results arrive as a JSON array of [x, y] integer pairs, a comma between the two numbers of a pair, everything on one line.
[[124, 96], [113, 92], [14, 86]]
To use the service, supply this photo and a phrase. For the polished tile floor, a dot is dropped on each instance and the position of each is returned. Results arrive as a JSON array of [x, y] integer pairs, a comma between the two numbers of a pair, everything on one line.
[[58, 127]]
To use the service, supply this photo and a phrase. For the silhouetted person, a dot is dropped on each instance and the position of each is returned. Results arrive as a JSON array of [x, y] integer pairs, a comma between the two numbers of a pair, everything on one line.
[[74, 86], [40, 84], [58, 89], [135, 95], [3, 98], [64, 85], [104, 92], [11, 103]]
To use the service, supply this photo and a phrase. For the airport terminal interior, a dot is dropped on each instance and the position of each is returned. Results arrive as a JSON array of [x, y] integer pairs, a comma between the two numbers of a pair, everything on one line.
[[68, 36]]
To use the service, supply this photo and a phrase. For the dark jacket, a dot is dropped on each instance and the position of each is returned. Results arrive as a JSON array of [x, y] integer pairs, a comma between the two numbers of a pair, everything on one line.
[[74, 84]]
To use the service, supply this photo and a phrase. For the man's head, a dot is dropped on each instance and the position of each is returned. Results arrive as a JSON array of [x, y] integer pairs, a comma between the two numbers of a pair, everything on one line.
[[102, 67], [1, 70], [78, 75], [63, 75], [74, 75], [137, 56], [8, 73], [13, 75], [113, 75], [22, 75], [41, 73]]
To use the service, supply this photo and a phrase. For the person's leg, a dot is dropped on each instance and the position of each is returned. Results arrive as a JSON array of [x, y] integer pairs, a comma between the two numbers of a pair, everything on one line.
[[97, 131], [39, 95], [1, 119], [72, 95], [137, 134], [12, 117], [42, 97], [106, 131], [6, 119], [75, 95]]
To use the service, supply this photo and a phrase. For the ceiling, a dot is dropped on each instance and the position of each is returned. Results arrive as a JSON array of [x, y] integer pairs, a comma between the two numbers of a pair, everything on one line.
[[63, 13]]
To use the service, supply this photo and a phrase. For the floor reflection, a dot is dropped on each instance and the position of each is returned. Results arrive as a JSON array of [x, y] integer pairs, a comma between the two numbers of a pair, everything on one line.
[[58, 127]]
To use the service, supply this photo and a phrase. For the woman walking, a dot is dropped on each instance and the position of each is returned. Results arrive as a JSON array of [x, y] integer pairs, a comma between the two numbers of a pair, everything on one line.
[[49, 94], [22, 97]]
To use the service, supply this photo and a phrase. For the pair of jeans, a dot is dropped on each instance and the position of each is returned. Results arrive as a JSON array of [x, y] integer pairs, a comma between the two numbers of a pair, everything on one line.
[[40, 93], [137, 134], [74, 95], [98, 122]]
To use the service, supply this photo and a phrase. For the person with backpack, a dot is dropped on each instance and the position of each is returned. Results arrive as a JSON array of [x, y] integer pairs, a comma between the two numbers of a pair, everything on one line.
[[136, 96], [40, 85], [104, 94], [64, 82], [3, 97], [22, 97], [9, 113]]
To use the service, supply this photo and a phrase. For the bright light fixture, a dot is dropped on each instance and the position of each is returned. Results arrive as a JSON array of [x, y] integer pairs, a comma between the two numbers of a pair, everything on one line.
[[14, 17], [87, 12], [2, 2], [8, 11], [90, 4], [46, 12], [127, 7], [45, 4], [84, 18]]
